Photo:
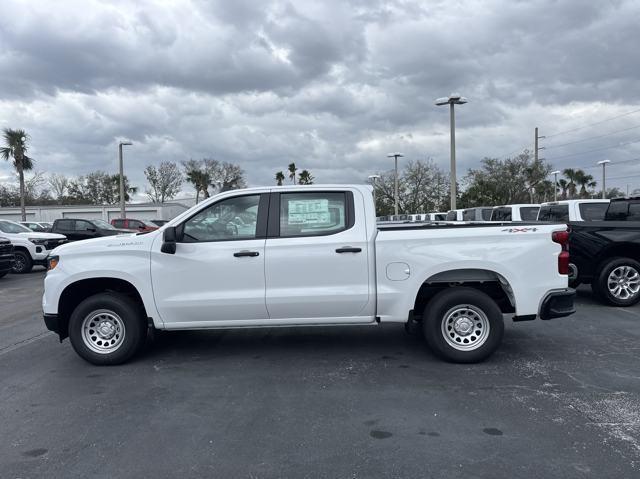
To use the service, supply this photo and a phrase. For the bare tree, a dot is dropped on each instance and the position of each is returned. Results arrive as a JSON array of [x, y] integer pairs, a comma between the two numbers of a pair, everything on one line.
[[58, 184], [164, 181]]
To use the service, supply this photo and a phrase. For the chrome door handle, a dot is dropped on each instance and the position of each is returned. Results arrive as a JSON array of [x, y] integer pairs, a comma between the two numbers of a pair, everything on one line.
[[348, 249], [239, 254]]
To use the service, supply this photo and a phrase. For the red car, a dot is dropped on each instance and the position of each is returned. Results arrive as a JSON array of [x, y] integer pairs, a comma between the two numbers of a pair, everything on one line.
[[131, 224]]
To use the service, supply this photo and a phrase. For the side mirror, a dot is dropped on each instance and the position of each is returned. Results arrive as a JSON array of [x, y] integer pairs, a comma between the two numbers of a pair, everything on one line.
[[169, 238], [91, 230]]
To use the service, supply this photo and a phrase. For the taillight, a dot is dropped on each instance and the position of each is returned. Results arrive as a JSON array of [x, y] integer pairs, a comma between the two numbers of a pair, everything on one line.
[[562, 238]]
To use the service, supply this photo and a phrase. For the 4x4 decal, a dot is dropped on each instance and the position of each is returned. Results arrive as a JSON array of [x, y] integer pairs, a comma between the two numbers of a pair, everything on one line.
[[519, 230]]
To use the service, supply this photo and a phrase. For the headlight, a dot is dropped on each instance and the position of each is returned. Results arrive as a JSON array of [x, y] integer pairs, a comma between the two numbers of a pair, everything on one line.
[[52, 262], [38, 240]]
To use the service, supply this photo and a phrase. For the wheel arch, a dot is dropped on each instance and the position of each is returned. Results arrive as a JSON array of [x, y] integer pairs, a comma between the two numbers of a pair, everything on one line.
[[624, 250], [490, 282], [74, 293]]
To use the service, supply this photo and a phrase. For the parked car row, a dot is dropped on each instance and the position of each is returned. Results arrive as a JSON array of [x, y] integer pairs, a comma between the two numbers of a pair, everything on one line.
[[555, 211], [30, 242]]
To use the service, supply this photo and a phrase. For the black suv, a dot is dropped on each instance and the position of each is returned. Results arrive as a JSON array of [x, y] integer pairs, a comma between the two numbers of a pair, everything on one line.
[[81, 229], [6, 256]]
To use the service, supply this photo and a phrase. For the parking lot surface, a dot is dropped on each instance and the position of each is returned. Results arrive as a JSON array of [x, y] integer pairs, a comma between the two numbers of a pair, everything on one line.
[[559, 399]]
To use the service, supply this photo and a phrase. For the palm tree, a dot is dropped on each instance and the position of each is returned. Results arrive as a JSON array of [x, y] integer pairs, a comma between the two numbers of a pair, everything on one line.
[[570, 173], [16, 148], [292, 172], [200, 181], [582, 180], [279, 178], [564, 185], [305, 178]]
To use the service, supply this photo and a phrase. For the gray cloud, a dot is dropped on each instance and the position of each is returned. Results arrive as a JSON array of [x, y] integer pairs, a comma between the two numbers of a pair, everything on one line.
[[332, 86]]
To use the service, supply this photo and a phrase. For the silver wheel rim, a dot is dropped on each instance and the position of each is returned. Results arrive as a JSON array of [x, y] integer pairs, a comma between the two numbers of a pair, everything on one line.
[[623, 282], [19, 263], [103, 331], [465, 327]]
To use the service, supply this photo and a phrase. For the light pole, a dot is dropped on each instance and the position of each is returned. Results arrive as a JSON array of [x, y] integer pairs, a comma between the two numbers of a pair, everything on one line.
[[555, 184], [395, 180], [120, 145], [604, 186], [372, 180], [453, 99]]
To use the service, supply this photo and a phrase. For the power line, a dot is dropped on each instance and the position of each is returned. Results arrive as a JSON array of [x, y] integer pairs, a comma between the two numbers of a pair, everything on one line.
[[594, 150], [592, 124], [592, 138]]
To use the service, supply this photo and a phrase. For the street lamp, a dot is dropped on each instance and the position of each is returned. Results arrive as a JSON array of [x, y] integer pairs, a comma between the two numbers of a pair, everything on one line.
[[120, 145], [372, 180], [395, 181], [555, 184], [604, 189], [453, 99]]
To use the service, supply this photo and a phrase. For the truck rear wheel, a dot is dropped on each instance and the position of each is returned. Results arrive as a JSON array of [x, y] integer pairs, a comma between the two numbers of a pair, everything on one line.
[[618, 282], [107, 328], [463, 325], [22, 262]]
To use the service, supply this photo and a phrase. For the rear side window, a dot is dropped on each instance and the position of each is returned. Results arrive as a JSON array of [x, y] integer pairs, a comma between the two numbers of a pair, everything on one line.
[[440, 217], [451, 216], [501, 214], [593, 211], [66, 225], [469, 215], [623, 211], [312, 214], [554, 213], [118, 223], [486, 214], [529, 213]]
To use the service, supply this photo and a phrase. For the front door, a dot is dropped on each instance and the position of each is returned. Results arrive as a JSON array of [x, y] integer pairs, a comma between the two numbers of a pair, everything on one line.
[[217, 272], [317, 262]]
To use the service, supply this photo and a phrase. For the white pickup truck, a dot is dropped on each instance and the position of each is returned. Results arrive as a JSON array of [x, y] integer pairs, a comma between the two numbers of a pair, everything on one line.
[[305, 256]]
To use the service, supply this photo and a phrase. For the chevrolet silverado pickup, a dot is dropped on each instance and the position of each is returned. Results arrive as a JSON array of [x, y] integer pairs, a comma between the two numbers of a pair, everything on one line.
[[30, 248], [607, 253], [306, 256]]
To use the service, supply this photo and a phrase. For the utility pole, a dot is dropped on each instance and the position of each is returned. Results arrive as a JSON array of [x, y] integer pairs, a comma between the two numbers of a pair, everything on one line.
[[537, 148], [555, 183], [372, 180], [395, 156], [123, 214], [604, 186]]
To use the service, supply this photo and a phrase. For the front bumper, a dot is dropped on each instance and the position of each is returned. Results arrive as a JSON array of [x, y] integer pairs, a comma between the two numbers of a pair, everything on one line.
[[558, 304], [6, 262], [52, 322]]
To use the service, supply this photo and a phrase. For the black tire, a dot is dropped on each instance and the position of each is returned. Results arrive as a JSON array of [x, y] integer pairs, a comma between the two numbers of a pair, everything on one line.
[[606, 291], [23, 262], [116, 312], [472, 308]]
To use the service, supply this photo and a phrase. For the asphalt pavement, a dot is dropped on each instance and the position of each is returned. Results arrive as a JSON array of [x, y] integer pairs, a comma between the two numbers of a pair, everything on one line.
[[561, 398]]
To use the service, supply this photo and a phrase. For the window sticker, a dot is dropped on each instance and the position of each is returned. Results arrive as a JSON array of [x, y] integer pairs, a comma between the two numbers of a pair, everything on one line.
[[305, 212]]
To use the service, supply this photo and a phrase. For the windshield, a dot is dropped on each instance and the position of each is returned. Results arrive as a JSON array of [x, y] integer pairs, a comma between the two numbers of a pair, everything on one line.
[[103, 225], [11, 227]]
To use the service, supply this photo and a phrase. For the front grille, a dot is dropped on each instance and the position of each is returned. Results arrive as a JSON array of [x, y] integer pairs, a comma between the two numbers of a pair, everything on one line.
[[6, 248], [51, 244]]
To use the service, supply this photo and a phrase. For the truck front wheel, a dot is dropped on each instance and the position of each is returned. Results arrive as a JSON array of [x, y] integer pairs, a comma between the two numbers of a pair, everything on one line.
[[107, 328], [23, 262], [463, 325]]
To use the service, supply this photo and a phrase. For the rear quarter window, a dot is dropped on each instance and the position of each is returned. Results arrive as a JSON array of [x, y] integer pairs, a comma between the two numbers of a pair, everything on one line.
[[66, 225], [529, 213], [558, 213], [593, 211], [501, 214]]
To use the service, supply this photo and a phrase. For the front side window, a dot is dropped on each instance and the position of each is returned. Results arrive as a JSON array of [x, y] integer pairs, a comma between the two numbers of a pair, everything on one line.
[[231, 219], [82, 225], [312, 214], [118, 223]]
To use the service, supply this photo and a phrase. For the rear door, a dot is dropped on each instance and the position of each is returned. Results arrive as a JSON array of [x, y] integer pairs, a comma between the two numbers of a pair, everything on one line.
[[67, 228], [316, 258]]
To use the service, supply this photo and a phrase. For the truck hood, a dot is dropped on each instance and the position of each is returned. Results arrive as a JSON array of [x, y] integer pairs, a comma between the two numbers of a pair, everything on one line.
[[47, 236], [113, 243]]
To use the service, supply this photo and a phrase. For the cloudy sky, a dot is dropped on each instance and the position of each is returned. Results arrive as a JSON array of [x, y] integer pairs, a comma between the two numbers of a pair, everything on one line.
[[331, 85]]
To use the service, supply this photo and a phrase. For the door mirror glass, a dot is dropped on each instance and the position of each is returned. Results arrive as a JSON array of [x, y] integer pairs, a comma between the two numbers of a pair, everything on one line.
[[169, 240]]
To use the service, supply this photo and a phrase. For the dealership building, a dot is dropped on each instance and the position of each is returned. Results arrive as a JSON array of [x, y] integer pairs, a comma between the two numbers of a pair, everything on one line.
[[140, 211]]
